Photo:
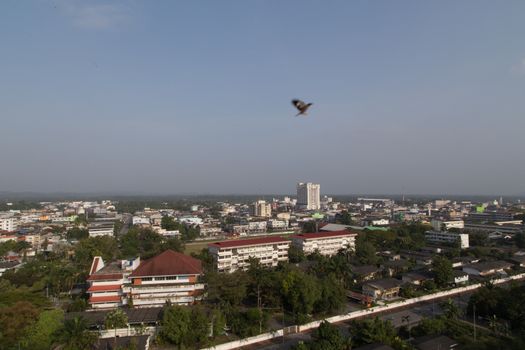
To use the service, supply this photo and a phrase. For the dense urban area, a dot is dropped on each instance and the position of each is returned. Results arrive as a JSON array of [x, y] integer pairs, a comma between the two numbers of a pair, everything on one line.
[[195, 272]]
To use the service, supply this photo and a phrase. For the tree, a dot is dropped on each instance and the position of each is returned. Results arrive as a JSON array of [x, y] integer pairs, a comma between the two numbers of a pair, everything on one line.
[[443, 271], [372, 331], [295, 255], [75, 335], [519, 239], [309, 226], [365, 251], [300, 292], [14, 321], [226, 289], [77, 233], [328, 336], [90, 247], [450, 308], [332, 297], [176, 325], [115, 319], [344, 218], [41, 335], [168, 223]]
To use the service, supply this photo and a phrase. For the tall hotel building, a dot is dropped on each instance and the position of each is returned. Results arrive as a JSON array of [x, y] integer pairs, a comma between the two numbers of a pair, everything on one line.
[[309, 196]]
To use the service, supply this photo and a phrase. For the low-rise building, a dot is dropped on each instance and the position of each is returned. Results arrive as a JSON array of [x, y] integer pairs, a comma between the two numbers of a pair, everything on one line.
[[326, 243], [487, 268], [97, 229], [141, 220], [448, 238], [416, 278], [460, 277], [443, 225], [233, 255], [383, 289]]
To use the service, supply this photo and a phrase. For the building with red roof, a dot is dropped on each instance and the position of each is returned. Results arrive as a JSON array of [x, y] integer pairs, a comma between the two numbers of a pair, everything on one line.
[[106, 281], [169, 276], [233, 255], [326, 243]]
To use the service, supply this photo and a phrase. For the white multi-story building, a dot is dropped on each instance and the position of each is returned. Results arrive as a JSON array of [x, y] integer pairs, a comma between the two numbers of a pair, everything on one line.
[[326, 243], [441, 225], [101, 229], [309, 195], [106, 281], [233, 255], [141, 220], [262, 209], [277, 224], [168, 277], [191, 220], [9, 224], [257, 226], [448, 237]]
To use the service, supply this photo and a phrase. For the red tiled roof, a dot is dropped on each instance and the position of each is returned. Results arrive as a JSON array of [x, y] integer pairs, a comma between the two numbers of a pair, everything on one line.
[[168, 263], [109, 276], [324, 234], [105, 299], [107, 288], [247, 242]]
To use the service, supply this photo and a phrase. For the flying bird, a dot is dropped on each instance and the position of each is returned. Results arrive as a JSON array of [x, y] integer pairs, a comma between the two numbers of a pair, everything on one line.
[[301, 107]]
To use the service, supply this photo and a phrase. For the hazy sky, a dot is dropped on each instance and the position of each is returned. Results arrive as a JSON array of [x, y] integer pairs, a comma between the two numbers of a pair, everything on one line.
[[194, 96]]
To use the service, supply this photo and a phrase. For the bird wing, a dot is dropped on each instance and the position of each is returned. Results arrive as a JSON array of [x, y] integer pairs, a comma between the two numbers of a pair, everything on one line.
[[300, 105]]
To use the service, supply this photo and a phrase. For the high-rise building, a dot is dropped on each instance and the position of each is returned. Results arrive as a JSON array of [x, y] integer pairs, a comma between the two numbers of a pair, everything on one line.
[[263, 209], [309, 195]]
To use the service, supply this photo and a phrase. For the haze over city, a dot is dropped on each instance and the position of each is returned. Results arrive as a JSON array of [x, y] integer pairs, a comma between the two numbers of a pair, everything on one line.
[[172, 97]]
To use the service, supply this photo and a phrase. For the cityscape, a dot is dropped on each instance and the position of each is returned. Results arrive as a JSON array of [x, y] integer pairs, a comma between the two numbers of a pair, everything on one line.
[[274, 175], [260, 273]]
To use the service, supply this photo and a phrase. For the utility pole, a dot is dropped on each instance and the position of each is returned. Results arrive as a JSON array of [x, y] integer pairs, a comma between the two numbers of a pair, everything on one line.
[[474, 322]]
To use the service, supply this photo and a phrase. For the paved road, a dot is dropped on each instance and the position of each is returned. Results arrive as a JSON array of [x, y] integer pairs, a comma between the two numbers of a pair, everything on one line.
[[127, 220]]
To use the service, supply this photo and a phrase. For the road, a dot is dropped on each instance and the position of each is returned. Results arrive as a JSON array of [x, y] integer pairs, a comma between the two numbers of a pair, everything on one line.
[[127, 220]]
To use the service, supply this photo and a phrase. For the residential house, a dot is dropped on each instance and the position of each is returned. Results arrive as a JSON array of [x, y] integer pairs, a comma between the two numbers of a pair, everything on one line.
[[487, 268], [383, 289]]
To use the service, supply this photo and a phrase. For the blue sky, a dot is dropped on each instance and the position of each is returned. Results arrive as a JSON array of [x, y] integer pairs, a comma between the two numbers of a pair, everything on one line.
[[194, 97]]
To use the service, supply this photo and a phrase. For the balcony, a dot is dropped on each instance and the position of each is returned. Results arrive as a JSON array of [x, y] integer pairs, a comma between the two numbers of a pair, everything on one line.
[[165, 289]]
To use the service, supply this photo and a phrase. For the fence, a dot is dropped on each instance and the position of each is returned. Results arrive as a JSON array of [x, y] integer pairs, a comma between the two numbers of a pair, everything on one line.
[[126, 332]]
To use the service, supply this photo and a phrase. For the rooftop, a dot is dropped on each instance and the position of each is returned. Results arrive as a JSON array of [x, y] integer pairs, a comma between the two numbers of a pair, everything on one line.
[[327, 234], [248, 242], [168, 263], [490, 265], [386, 283]]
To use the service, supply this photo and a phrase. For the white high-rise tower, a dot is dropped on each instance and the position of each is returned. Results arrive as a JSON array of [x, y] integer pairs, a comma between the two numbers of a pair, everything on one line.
[[309, 195]]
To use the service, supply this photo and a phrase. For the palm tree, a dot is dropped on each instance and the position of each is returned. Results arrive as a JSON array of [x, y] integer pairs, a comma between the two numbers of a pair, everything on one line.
[[451, 309], [75, 334], [493, 323]]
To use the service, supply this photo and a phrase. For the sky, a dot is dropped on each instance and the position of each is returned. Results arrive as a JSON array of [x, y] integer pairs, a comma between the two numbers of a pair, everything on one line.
[[171, 97]]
